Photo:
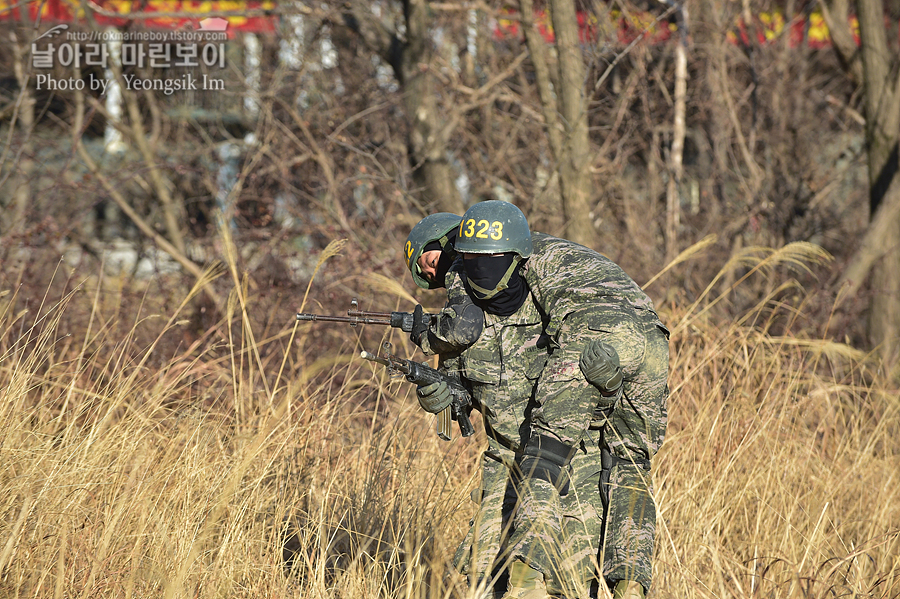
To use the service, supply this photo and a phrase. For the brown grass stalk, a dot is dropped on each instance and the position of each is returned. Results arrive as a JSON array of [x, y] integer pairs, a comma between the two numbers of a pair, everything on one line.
[[125, 475]]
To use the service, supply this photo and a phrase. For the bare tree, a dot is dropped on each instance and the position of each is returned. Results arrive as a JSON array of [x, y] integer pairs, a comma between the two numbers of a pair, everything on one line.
[[19, 168], [565, 113], [879, 251], [676, 153], [410, 57]]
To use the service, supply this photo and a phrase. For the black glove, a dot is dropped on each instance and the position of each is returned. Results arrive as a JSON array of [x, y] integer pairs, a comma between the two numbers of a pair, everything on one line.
[[420, 325], [600, 365], [434, 397]]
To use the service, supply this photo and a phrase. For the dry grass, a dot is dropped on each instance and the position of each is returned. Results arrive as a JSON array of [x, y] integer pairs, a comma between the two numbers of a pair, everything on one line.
[[779, 476], [227, 473]]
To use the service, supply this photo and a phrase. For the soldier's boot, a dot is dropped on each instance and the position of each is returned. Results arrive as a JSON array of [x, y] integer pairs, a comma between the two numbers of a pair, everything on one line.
[[525, 583], [628, 589]]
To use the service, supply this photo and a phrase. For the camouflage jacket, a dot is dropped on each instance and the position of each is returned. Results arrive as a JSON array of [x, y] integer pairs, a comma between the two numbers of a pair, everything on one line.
[[565, 277], [504, 365]]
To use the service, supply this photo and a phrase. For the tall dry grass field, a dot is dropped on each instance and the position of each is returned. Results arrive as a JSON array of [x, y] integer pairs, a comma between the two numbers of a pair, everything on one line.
[[226, 469]]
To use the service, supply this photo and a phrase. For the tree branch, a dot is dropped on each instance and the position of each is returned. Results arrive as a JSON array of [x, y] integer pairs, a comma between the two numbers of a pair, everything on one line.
[[141, 224], [872, 247], [376, 36], [837, 18], [170, 209]]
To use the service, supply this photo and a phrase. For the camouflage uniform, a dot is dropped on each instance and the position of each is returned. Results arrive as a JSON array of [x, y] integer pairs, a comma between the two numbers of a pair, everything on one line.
[[503, 395], [504, 389], [524, 371], [586, 295]]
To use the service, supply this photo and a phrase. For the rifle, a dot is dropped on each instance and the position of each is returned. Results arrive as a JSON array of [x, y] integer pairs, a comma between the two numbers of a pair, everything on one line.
[[420, 374], [414, 372], [405, 321]]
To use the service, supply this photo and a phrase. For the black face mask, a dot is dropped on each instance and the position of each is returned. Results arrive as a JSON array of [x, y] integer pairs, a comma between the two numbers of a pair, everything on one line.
[[485, 284], [444, 264]]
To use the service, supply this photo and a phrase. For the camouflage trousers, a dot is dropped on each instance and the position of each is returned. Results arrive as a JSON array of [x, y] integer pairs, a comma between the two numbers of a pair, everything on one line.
[[567, 545], [632, 433]]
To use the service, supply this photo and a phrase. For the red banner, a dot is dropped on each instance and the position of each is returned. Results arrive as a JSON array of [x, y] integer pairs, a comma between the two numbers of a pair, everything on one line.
[[150, 14], [624, 29]]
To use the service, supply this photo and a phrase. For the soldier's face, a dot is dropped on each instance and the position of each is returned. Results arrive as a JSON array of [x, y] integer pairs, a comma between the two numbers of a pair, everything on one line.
[[428, 263], [488, 272]]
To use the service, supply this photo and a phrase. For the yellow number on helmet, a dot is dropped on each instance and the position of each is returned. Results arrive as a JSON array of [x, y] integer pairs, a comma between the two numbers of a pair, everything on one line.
[[482, 231], [496, 230], [409, 253], [470, 228]]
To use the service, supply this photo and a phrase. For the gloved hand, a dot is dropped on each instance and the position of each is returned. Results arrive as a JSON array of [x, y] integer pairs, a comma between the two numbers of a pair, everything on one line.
[[419, 326], [434, 397], [600, 365]]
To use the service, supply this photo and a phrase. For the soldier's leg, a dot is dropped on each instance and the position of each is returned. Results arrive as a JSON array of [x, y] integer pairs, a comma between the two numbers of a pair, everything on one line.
[[634, 432], [583, 518], [557, 526], [481, 552], [536, 536], [560, 527]]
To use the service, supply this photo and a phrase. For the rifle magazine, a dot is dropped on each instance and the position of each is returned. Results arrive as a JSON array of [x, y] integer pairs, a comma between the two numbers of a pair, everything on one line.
[[445, 423]]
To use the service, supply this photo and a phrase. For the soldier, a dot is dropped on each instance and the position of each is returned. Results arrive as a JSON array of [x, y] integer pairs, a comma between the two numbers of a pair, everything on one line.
[[596, 409], [429, 253], [428, 250], [482, 554]]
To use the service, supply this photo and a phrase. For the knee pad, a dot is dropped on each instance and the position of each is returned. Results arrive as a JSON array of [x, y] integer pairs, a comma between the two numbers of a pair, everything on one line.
[[608, 462], [547, 459]]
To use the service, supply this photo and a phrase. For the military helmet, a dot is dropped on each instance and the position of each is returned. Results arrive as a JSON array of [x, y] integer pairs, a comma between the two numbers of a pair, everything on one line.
[[433, 227], [494, 227]]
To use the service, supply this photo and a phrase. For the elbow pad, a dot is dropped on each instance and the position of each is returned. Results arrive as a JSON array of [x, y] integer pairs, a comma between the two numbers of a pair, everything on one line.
[[463, 327]]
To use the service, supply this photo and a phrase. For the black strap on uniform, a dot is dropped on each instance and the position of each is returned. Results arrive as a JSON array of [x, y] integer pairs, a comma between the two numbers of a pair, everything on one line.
[[608, 461]]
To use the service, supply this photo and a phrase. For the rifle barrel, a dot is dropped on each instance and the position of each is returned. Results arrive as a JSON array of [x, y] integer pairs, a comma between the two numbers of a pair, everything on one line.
[[421, 374], [373, 358], [360, 313], [389, 360], [355, 320]]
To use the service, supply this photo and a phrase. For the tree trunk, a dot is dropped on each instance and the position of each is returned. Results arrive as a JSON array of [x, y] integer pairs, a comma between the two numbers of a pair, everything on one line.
[[23, 166], [431, 172], [565, 114], [433, 178], [574, 163], [836, 14], [881, 245], [884, 314], [541, 60], [676, 154]]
